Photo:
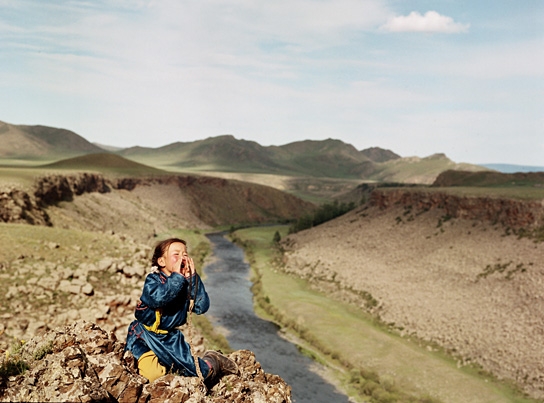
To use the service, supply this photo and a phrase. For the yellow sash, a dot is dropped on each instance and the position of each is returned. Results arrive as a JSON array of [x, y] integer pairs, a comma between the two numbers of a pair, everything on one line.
[[155, 327]]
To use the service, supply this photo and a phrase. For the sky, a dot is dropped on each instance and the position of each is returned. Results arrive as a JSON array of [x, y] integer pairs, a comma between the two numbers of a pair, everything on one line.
[[460, 77]]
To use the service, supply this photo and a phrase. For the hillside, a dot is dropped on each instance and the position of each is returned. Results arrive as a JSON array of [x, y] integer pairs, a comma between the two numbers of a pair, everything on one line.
[[449, 270], [104, 163], [328, 158], [41, 142]]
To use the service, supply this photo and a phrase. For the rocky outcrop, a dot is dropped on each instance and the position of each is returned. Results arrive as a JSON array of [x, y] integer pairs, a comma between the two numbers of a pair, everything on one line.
[[52, 189], [528, 214], [84, 363], [24, 206], [17, 206]]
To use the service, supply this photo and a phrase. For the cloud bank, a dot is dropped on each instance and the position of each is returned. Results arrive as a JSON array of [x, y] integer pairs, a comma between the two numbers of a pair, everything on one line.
[[431, 22]]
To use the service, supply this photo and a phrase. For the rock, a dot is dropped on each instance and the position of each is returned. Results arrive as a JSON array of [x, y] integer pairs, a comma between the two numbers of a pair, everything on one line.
[[105, 264], [87, 289], [69, 287], [130, 271], [82, 362]]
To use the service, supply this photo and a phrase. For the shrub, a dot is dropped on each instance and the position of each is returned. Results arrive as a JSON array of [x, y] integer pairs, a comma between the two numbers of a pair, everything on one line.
[[324, 213], [43, 351], [13, 363]]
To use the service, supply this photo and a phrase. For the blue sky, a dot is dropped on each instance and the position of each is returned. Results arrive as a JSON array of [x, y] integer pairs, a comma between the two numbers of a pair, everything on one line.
[[460, 77]]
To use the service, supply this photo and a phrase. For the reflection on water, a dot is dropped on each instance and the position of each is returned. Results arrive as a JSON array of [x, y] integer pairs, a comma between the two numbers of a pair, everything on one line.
[[227, 283]]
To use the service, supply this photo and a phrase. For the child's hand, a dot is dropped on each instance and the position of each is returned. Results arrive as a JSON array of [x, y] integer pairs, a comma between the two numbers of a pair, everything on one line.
[[187, 268]]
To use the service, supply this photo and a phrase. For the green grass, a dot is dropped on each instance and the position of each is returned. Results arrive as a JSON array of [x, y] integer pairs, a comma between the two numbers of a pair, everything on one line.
[[18, 177], [372, 360], [30, 242]]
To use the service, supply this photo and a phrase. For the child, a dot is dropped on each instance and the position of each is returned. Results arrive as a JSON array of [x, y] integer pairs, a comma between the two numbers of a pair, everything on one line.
[[153, 338]]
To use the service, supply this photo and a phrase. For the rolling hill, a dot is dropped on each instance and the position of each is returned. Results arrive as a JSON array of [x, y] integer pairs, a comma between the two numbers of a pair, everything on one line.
[[105, 163], [41, 143]]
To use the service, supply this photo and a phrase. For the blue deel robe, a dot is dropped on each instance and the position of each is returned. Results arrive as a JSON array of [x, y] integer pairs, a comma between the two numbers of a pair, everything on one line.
[[169, 295]]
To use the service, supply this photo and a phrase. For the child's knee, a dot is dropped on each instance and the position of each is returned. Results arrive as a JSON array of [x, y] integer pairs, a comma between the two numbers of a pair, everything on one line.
[[149, 366]]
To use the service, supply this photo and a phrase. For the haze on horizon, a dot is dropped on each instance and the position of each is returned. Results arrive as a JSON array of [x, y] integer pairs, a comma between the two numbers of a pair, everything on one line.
[[417, 77]]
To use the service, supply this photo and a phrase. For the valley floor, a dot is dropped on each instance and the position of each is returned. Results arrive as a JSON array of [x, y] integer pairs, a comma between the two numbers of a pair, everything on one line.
[[465, 286]]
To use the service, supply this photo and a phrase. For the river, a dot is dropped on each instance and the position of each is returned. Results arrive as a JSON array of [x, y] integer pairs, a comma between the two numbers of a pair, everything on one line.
[[231, 312]]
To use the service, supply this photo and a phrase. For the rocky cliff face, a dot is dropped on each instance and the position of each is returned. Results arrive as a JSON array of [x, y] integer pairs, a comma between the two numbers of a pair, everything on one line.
[[508, 212], [83, 363], [56, 188], [22, 206], [18, 206]]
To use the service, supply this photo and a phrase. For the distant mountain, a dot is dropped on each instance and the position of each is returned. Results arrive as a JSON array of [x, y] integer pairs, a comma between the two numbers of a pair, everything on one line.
[[509, 168], [326, 158], [222, 153], [377, 154], [330, 158], [41, 142]]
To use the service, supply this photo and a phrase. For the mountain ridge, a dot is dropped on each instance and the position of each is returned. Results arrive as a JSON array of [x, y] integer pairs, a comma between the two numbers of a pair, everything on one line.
[[330, 158]]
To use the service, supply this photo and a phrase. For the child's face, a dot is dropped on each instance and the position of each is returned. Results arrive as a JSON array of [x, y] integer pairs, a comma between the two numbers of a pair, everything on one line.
[[172, 258]]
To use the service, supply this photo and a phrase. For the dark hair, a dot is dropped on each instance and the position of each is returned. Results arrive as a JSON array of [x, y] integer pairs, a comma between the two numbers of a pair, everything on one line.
[[162, 247]]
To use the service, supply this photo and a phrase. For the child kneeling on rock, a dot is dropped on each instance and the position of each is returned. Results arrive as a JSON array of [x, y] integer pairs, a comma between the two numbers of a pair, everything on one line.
[[171, 291]]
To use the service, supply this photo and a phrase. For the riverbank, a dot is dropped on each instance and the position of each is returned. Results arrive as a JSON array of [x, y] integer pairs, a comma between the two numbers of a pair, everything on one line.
[[376, 364]]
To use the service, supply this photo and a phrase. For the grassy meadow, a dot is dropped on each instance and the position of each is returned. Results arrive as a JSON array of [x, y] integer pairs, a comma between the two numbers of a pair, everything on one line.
[[365, 357]]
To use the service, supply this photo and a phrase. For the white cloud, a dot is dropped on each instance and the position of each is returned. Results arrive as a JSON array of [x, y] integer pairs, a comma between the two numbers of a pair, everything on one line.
[[431, 22]]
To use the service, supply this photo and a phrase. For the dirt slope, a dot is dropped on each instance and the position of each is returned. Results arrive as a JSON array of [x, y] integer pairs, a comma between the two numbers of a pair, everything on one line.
[[463, 284]]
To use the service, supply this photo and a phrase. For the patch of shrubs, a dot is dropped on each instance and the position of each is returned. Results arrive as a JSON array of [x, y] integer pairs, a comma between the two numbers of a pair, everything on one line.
[[501, 268], [537, 234], [324, 213]]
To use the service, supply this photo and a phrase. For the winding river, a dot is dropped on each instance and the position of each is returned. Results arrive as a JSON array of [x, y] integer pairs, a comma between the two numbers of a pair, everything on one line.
[[231, 311]]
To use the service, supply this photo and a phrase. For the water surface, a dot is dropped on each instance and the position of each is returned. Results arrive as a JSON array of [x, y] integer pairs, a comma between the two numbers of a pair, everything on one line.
[[228, 285]]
